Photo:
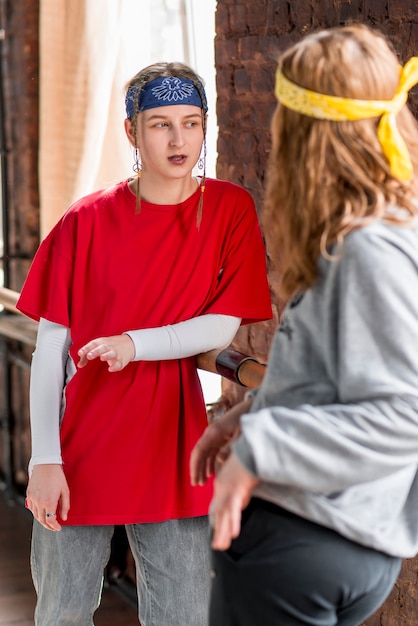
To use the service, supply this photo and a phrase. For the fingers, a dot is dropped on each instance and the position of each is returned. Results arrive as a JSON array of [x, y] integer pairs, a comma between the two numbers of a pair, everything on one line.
[[223, 454], [48, 494], [196, 474], [227, 525], [233, 488], [44, 515], [82, 362], [51, 522], [65, 504], [202, 466], [209, 446], [117, 351], [226, 518], [98, 348], [202, 460], [210, 468]]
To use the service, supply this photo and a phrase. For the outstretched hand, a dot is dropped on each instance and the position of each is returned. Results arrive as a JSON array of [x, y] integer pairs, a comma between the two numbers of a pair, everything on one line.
[[118, 351], [213, 447], [47, 494], [233, 489]]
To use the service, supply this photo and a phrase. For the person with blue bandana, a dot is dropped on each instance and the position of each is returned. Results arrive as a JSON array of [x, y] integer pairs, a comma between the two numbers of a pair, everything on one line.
[[131, 284]]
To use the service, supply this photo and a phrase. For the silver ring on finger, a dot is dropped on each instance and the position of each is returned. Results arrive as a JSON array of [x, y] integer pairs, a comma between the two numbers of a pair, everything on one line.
[[50, 514]]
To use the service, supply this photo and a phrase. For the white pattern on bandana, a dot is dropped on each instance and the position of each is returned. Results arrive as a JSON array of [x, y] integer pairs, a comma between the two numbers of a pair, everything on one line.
[[172, 89]]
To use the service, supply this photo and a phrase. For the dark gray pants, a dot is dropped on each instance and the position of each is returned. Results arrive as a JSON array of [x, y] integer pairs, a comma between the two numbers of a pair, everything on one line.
[[286, 571]]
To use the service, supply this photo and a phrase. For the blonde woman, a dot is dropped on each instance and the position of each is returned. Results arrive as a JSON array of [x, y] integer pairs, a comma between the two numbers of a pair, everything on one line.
[[324, 468]]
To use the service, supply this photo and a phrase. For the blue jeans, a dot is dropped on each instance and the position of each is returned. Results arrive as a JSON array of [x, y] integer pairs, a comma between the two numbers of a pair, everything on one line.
[[172, 565]]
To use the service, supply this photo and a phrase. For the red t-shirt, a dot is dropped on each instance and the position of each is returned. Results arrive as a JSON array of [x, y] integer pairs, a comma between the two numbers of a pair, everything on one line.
[[104, 269]]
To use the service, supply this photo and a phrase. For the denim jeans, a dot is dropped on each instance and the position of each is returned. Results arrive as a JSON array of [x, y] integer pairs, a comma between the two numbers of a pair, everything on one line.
[[172, 565]]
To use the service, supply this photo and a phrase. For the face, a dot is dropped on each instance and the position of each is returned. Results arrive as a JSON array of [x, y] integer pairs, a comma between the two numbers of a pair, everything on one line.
[[169, 139]]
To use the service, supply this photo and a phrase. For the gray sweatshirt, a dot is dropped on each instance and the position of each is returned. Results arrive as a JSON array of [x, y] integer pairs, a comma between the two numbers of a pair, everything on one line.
[[333, 430]]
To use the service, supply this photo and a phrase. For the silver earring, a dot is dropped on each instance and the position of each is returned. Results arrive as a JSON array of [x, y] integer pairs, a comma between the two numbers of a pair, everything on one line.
[[137, 166], [200, 163]]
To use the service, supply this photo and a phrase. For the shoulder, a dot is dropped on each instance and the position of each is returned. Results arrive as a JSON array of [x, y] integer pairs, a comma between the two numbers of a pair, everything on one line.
[[228, 190], [230, 203], [372, 259], [96, 199], [81, 217], [84, 212], [382, 242]]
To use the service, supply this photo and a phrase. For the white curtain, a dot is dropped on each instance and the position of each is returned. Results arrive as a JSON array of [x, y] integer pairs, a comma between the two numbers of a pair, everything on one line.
[[88, 51]]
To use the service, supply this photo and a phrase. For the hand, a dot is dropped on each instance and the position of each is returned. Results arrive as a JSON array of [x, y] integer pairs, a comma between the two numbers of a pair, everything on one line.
[[48, 492], [118, 351], [233, 488], [213, 447]]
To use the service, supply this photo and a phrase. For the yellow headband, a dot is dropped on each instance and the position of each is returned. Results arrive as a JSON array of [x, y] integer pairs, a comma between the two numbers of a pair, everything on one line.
[[322, 106]]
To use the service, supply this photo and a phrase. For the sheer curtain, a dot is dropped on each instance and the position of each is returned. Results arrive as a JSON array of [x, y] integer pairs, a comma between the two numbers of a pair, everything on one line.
[[88, 51]]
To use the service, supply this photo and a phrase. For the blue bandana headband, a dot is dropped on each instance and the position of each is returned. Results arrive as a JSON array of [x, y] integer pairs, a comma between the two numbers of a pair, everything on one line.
[[164, 91]]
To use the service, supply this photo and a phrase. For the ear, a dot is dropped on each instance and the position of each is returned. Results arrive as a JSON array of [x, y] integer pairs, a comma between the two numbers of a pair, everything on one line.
[[129, 130]]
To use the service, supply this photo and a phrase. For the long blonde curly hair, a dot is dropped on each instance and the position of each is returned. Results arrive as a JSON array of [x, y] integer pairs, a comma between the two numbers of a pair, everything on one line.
[[327, 178]]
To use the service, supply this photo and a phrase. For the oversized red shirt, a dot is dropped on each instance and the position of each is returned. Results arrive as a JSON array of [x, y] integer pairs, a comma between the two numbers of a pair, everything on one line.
[[126, 436]]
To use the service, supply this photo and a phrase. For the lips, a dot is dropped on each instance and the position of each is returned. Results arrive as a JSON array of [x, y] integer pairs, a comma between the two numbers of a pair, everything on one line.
[[178, 159]]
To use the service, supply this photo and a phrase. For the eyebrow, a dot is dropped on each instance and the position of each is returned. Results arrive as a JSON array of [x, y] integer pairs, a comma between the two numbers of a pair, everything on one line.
[[164, 117]]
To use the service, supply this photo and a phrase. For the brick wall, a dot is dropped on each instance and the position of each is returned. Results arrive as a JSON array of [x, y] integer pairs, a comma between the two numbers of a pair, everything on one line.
[[19, 173], [19, 63]]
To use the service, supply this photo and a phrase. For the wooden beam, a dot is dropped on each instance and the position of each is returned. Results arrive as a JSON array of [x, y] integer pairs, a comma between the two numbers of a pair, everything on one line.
[[8, 299]]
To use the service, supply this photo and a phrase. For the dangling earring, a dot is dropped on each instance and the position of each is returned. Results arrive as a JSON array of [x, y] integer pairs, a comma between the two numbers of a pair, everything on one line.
[[202, 184], [137, 168]]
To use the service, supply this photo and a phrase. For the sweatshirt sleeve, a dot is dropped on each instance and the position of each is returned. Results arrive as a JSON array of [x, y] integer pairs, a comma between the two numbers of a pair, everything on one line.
[[371, 430]]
